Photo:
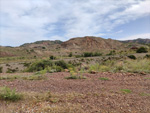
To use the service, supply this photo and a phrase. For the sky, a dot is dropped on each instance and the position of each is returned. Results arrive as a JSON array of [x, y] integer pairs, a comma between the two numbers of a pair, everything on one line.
[[25, 21]]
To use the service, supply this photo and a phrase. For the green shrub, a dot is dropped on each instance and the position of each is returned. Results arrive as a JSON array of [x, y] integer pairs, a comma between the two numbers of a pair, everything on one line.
[[48, 65], [1, 69], [97, 54], [39, 65], [70, 54], [142, 50], [9, 95], [43, 48], [132, 57], [61, 63], [52, 57], [147, 56], [91, 54], [113, 52]]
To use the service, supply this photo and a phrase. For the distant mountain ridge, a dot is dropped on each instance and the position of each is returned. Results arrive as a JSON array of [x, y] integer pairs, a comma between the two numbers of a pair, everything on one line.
[[43, 42], [78, 45], [139, 41]]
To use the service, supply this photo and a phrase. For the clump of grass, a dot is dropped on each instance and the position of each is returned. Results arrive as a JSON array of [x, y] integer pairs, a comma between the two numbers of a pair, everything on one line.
[[9, 77], [126, 91], [35, 77], [75, 77], [145, 94], [146, 78], [9, 95], [40, 75], [104, 78]]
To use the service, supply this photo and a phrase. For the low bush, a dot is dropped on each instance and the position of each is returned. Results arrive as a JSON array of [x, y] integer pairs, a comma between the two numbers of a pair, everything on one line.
[[91, 54], [113, 52], [1, 69], [70, 54], [39, 65], [61, 63], [9, 95], [132, 57], [142, 50], [147, 56], [52, 57]]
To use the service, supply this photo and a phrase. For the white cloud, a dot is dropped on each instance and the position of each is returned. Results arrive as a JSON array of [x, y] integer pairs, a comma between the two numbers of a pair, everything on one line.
[[30, 20], [144, 36]]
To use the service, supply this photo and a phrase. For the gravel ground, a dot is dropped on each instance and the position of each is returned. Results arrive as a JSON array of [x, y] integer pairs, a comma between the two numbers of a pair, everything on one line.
[[98, 95]]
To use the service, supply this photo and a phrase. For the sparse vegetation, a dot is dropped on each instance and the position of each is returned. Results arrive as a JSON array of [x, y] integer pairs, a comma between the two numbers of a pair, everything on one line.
[[75, 75], [9, 77], [9, 95], [103, 78], [144, 94], [35, 77], [126, 91], [45, 91], [134, 66]]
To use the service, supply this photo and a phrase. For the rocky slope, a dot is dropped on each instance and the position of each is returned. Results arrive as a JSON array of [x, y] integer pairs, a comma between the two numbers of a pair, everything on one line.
[[91, 43]]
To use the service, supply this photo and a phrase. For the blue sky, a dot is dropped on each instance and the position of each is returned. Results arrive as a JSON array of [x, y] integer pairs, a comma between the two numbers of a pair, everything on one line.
[[24, 21]]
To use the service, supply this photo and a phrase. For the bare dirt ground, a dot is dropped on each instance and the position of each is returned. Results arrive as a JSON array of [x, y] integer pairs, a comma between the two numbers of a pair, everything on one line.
[[90, 95]]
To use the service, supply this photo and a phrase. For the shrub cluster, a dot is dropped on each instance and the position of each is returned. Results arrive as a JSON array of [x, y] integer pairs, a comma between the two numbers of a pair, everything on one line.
[[91, 54], [142, 50], [48, 65]]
